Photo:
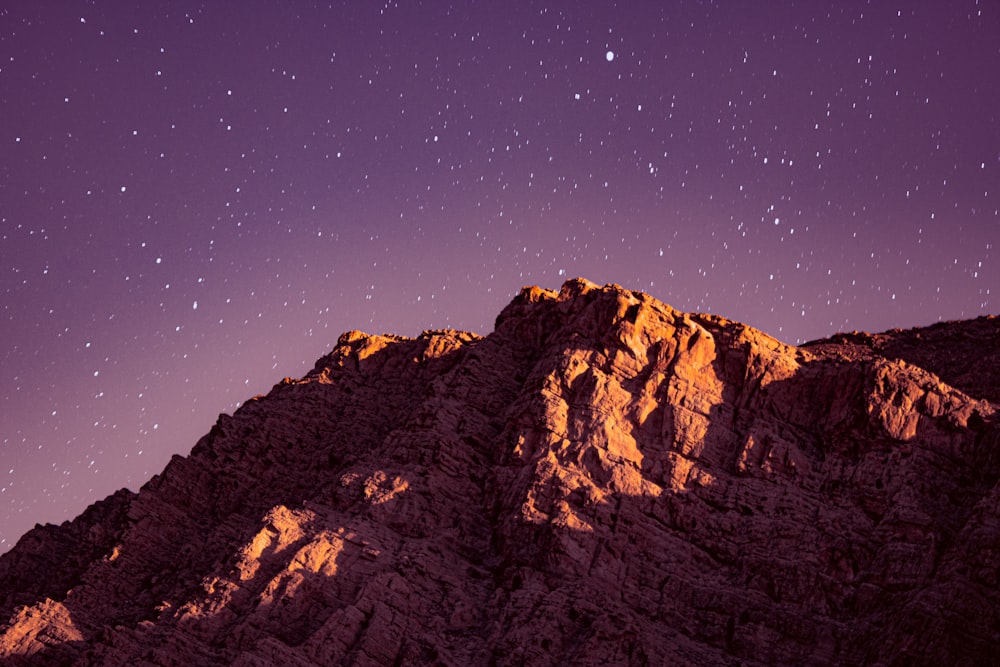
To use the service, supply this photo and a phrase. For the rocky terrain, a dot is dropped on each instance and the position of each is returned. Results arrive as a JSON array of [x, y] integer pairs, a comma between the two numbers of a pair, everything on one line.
[[600, 481]]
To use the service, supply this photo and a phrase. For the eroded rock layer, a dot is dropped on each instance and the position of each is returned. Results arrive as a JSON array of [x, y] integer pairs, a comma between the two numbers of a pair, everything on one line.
[[600, 481]]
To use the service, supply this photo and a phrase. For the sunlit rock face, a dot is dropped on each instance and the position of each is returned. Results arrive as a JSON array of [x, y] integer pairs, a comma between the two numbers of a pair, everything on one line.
[[601, 480]]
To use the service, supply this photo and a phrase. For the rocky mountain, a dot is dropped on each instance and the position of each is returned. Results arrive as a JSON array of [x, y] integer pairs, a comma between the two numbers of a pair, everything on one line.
[[600, 481]]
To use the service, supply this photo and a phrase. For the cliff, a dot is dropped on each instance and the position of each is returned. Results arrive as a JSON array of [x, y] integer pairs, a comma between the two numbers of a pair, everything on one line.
[[601, 480]]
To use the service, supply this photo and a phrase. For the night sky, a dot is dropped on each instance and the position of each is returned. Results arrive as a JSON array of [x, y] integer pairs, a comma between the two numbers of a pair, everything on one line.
[[196, 199]]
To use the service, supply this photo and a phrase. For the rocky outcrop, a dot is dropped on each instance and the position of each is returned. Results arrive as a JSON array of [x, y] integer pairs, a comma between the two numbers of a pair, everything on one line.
[[601, 480], [964, 354]]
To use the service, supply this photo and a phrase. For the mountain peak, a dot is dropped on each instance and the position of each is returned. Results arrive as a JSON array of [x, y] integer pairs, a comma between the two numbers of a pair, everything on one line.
[[601, 480]]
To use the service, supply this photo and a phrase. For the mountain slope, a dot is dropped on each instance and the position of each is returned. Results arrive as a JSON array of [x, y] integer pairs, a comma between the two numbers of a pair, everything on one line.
[[964, 354], [601, 480]]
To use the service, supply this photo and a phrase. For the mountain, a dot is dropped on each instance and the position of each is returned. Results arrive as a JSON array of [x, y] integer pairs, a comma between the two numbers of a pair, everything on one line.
[[602, 480]]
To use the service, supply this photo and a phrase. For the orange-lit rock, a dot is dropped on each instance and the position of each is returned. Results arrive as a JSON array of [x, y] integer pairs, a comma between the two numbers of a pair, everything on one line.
[[601, 480]]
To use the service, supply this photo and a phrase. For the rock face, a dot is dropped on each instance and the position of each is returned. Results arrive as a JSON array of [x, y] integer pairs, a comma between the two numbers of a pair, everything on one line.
[[600, 481]]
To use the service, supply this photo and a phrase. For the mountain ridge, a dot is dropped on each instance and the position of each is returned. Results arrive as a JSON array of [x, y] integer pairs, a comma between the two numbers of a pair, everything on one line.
[[602, 479]]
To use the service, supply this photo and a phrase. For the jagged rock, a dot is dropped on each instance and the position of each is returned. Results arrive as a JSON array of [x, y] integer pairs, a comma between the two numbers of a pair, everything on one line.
[[601, 480]]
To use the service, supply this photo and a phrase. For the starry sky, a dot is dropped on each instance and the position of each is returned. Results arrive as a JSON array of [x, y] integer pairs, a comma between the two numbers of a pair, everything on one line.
[[196, 199]]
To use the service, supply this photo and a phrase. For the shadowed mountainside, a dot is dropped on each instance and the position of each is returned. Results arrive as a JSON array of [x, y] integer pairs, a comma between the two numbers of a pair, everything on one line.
[[601, 480], [964, 354]]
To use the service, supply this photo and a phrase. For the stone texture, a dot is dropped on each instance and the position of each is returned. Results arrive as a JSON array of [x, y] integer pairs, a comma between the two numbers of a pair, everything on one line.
[[602, 480]]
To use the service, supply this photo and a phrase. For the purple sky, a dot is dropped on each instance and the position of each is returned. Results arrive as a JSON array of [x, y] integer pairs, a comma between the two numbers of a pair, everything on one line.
[[196, 200]]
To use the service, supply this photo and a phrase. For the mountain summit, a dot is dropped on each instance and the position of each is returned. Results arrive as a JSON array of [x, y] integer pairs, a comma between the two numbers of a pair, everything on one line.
[[602, 480]]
